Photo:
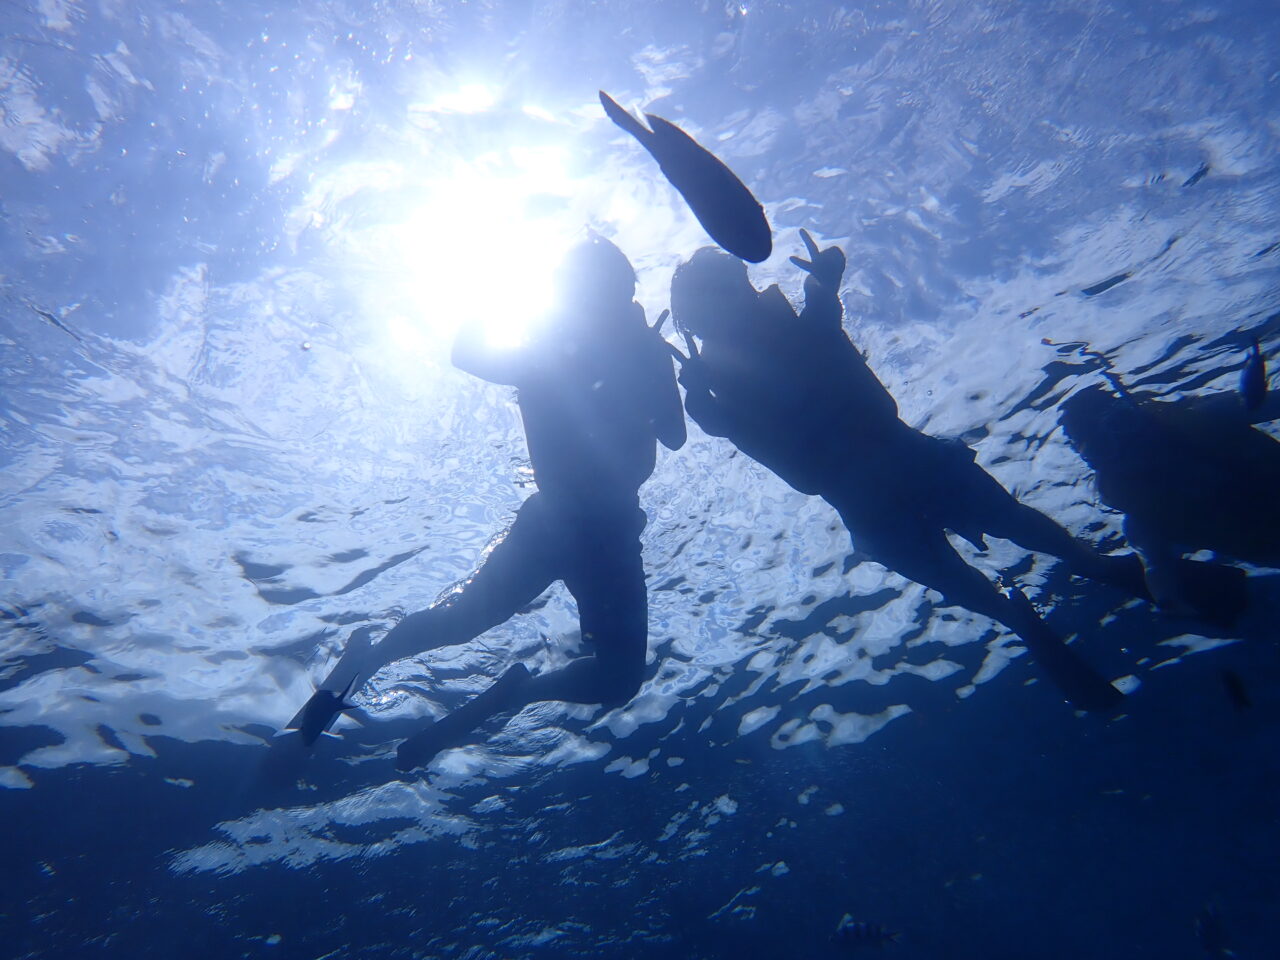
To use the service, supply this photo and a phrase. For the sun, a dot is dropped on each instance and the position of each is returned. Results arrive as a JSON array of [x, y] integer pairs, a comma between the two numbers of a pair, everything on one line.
[[468, 209], [466, 220], [484, 239]]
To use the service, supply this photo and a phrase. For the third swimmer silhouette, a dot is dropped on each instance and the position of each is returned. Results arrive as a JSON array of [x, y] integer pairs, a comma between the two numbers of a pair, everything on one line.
[[597, 391], [1188, 473], [795, 394]]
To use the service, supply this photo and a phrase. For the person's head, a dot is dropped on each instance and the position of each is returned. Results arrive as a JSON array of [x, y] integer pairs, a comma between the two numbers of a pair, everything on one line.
[[711, 294], [1101, 426], [595, 273]]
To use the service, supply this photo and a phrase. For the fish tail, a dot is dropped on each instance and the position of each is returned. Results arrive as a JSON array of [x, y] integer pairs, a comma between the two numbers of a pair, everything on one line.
[[624, 119]]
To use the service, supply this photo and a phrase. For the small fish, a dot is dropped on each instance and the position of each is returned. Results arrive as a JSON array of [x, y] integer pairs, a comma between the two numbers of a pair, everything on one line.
[[1253, 378], [320, 711], [721, 202], [863, 934]]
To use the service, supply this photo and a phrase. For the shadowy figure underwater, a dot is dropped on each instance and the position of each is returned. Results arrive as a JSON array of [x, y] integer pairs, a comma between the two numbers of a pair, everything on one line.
[[796, 395], [597, 392], [1188, 474]]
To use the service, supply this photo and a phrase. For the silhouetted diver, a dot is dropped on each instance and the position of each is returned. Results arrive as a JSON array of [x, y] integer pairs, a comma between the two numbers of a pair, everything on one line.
[[795, 394], [721, 202], [596, 392], [1188, 474]]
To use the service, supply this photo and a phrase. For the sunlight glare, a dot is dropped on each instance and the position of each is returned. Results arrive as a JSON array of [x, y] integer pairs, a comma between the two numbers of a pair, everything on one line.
[[480, 248]]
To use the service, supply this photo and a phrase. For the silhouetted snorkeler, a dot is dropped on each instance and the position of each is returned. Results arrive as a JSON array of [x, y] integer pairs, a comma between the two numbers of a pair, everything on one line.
[[1188, 474], [597, 391], [723, 205], [795, 394]]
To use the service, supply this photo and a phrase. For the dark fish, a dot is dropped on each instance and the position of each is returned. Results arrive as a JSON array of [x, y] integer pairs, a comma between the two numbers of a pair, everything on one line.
[[862, 933], [723, 205], [1236, 692], [320, 711], [1253, 378]]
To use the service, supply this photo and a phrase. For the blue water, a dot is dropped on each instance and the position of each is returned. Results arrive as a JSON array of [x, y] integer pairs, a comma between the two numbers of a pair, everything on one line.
[[235, 243]]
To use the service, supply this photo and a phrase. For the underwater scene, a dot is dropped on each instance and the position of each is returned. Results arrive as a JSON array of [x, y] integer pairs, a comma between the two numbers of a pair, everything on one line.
[[504, 479]]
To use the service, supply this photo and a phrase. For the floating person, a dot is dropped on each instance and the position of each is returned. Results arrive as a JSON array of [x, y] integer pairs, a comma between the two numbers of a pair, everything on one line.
[[597, 392], [861, 933], [1188, 474], [721, 202], [794, 393]]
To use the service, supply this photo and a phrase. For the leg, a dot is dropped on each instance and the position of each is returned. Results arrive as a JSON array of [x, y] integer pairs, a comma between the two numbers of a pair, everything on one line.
[[991, 508], [926, 557], [1154, 572], [512, 573], [613, 608], [607, 581]]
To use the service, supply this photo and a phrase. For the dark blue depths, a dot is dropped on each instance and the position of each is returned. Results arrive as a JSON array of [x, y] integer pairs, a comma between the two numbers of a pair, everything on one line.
[[1001, 827]]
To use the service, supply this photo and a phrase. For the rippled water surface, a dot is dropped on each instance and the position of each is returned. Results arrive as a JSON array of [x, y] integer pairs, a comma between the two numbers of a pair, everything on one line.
[[235, 244]]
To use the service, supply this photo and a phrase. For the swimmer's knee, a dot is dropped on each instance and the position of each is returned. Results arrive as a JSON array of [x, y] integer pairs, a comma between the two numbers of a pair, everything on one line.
[[620, 683]]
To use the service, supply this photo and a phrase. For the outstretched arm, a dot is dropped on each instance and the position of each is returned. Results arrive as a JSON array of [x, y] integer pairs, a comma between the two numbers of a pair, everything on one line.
[[702, 406], [822, 286], [666, 411]]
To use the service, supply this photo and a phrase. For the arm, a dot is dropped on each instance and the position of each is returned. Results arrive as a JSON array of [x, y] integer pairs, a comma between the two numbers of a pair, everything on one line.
[[702, 406], [822, 285], [667, 413], [1160, 566]]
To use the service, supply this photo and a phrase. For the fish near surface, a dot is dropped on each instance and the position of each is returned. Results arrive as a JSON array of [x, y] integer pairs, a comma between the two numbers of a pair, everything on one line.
[[723, 205], [319, 712]]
